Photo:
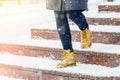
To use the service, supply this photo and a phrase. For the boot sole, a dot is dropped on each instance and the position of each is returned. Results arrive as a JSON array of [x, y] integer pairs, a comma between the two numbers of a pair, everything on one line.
[[74, 64], [87, 46]]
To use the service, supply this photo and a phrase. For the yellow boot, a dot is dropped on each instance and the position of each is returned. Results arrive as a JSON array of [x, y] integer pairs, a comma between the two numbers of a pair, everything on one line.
[[68, 59], [85, 38]]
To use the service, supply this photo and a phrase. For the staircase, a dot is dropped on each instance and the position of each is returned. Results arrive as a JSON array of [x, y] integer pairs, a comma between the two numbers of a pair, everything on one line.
[[34, 57]]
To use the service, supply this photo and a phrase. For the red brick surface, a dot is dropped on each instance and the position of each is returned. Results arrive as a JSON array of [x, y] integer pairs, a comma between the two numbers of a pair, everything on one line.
[[88, 57], [44, 33], [103, 21], [109, 8], [97, 37], [18, 72], [37, 74]]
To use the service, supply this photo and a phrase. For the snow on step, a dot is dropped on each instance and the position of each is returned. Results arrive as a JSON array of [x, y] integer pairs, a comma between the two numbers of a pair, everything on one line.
[[86, 69], [94, 28], [100, 33], [95, 14], [96, 47], [8, 78], [15, 10], [115, 2]]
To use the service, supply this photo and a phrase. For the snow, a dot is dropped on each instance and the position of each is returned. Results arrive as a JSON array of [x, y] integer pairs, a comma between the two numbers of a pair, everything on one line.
[[95, 14], [116, 2], [93, 28], [8, 78], [32, 62], [96, 47], [18, 20]]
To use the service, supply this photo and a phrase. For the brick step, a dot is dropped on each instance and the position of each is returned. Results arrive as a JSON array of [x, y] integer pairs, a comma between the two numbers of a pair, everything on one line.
[[100, 34], [8, 78], [95, 18], [31, 68], [103, 21], [110, 0], [99, 54], [109, 8]]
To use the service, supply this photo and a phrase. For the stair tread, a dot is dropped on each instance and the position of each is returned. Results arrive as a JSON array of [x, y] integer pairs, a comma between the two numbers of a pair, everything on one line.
[[8, 78], [111, 3], [49, 64], [95, 14], [94, 28], [96, 47]]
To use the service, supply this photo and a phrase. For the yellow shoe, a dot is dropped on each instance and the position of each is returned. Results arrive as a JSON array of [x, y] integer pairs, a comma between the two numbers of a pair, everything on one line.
[[68, 59], [85, 38]]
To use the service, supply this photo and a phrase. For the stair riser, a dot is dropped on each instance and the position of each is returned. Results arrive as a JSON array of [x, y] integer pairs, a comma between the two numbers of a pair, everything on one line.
[[104, 21], [109, 0], [36, 74], [104, 59], [50, 74], [109, 8], [18, 72], [97, 37]]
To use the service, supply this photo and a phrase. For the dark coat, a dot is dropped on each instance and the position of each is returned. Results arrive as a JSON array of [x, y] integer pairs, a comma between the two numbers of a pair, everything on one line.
[[64, 5]]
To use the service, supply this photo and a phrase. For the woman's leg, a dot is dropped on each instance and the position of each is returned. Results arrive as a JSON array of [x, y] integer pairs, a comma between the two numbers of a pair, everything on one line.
[[79, 19], [63, 30], [65, 37]]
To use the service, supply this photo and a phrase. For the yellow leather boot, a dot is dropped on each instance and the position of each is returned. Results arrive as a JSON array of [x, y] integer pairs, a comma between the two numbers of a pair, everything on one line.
[[68, 59], [85, 38]]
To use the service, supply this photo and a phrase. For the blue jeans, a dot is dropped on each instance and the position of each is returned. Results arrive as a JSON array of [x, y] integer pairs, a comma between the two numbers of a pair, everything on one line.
[[63, 26]]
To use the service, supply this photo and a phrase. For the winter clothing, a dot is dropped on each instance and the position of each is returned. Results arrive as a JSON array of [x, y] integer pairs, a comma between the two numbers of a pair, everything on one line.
[[71, 9], [68, 59], [63, 26], [85, 38], [65, 5]]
